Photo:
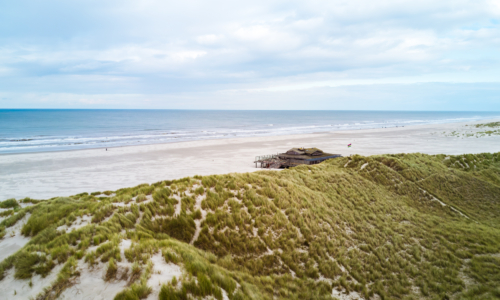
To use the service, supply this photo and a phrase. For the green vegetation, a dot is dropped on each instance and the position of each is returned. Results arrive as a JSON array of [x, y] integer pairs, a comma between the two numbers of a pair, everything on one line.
[[490, 125], [111, 270], [407, 226], [473, 132], [9, 203], [65, 278], [6, 213], [203, 287]]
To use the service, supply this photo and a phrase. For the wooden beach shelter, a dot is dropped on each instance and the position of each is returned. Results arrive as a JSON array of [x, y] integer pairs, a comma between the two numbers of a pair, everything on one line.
[[294, 157]]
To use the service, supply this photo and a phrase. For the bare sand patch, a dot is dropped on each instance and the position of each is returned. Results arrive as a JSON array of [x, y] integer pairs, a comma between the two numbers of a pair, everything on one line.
[[344, 296], [12, 288], [90, 285], [13, 239], [162, 273], [9, 245], [77, 224]]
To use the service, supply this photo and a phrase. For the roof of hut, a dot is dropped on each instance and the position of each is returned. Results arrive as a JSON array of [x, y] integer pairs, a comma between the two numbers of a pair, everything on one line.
[[296, 151], [310, 154], [313, 151], [305, 151]]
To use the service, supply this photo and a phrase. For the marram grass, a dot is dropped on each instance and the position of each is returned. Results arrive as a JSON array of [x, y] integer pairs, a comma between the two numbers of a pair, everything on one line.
[[408, 226]]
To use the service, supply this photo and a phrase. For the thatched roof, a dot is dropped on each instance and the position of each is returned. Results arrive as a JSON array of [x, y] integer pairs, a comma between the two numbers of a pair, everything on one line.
[[313, 151], [296, 151], [305, 151]]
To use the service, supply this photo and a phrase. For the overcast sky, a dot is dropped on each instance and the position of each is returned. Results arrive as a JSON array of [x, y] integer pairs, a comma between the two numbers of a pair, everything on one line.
[[354, 54]]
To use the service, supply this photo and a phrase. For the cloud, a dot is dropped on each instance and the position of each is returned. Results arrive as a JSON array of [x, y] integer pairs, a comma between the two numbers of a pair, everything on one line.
[[209, 39], [416, 96], [199, 48]]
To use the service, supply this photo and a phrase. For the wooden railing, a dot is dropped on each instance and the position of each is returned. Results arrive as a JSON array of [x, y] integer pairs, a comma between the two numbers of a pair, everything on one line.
[[265, 157]]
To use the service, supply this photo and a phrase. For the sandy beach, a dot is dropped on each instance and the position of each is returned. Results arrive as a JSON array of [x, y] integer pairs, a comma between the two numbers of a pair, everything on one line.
[[49, 174]]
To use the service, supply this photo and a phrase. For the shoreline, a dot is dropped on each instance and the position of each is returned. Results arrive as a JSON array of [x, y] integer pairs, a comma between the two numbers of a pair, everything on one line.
[[300, 135], [333, 130], [43, 175]]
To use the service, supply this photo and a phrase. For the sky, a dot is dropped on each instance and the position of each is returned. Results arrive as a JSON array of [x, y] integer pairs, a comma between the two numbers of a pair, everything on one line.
[[354, 54]]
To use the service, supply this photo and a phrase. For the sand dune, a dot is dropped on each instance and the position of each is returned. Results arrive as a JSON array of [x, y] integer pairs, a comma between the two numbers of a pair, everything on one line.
[[50, 174]]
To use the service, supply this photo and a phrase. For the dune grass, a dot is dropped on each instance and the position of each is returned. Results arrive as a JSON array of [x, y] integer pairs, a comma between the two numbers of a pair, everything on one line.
[[407, 226], [7, 213], [9, 203], [491, 125]]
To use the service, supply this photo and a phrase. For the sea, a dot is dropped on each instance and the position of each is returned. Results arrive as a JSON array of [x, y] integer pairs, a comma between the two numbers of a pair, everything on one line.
[[38, 130]]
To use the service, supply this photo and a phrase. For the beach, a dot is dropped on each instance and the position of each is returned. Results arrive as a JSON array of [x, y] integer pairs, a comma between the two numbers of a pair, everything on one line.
[[49, 174]]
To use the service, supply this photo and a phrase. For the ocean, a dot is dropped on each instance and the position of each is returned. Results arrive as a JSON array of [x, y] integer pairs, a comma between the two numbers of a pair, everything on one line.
[[37, 130]]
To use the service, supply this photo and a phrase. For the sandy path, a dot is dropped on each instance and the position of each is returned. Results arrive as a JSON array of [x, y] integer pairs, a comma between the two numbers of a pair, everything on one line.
[[50, 174]]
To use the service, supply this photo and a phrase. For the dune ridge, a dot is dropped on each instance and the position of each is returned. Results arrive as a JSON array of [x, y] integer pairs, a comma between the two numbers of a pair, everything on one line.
[[393, 226]]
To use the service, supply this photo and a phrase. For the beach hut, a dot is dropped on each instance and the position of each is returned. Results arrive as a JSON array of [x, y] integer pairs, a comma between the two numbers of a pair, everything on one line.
[[294, 157]]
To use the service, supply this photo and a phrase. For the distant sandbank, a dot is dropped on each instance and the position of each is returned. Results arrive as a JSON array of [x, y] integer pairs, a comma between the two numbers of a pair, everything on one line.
[[49, 174]]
